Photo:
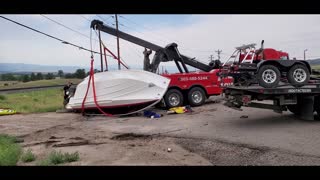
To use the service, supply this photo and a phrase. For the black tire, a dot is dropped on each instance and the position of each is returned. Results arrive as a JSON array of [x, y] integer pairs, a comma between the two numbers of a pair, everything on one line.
[[173, 98], [316, 105], [196, 96], [299, 79], [293, 109], [266, 79]]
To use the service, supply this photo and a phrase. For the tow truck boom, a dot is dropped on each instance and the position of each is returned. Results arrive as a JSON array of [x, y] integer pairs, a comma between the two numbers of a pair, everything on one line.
[[168, 53]]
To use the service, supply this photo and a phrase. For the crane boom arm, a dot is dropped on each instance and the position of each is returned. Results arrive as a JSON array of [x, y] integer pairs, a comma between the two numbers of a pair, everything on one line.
[[169, 50]]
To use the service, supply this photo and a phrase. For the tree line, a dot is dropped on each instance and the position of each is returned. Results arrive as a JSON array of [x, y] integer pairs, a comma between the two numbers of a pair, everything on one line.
[[79, 74]]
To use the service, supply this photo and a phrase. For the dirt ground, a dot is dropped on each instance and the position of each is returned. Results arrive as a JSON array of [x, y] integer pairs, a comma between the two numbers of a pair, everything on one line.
[[212, 135]]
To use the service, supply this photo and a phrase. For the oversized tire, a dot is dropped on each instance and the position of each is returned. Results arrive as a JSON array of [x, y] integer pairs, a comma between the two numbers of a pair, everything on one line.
[[173, 98], [298, 75], [196, 96], [268, 76]]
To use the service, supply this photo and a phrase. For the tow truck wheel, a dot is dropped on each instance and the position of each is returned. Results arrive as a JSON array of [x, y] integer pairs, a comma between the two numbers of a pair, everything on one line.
[[298, 75], [196, 96], [173, 98], [268, 76]]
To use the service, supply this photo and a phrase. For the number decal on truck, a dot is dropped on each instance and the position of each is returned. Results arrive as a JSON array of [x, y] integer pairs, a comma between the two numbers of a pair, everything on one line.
[[194, 78], [299, 90]]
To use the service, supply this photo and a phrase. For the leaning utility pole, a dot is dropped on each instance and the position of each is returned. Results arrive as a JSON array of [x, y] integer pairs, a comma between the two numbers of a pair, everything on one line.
[[218, 52], [118, 47], [100, 51]]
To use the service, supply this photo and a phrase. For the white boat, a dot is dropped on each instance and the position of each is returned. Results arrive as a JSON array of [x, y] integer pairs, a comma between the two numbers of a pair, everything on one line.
[[120, 92]]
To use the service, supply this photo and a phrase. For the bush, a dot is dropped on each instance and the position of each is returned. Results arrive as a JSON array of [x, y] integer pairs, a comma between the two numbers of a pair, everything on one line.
[[9, 151], [71, 157], [55, 158], [2, 97], [28, 156]]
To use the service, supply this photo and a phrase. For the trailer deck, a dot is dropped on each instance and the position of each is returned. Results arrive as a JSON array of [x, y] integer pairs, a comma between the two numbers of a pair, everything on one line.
[[280, 90], [302, 101]]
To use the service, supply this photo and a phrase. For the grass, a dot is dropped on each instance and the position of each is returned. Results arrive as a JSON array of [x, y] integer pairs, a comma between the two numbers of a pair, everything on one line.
[[48, 100], [57, 157], [317, 67], [13, 84], [28, 156], [9, 151], [2, 97]]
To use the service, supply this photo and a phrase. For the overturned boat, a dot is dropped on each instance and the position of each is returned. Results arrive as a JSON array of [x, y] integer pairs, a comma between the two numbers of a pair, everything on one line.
[[119, 92]]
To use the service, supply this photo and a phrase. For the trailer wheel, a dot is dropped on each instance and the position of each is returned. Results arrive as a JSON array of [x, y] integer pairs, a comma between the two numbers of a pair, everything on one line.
[[316, 105], [173, 98], [268, 76], [196, 96], [293, 109], [298, 75]]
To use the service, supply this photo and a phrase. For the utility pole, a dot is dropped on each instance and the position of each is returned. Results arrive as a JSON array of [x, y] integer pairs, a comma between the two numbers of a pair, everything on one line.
[[118, 47], [218, 52], [100, 52], [304, 54], [211, 58]]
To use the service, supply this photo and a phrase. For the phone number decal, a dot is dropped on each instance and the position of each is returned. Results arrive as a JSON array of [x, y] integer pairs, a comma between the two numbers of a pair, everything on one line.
[[194, 78]]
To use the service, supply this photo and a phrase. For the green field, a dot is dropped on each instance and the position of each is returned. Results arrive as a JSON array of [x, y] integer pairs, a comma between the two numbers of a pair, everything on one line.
[[16, 84], [48, 100], [317, 67]]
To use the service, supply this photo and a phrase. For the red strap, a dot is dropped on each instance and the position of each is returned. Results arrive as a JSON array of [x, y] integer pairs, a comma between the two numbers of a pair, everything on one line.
[[91, 76], [114, 56]]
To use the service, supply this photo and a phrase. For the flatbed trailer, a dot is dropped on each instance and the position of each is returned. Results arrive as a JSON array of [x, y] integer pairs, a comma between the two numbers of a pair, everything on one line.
[[302, 101]]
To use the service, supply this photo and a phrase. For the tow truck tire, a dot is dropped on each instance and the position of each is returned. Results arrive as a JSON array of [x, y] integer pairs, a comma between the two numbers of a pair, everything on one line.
[[298, 75], [268, 76], [196, 96], [173, 98]]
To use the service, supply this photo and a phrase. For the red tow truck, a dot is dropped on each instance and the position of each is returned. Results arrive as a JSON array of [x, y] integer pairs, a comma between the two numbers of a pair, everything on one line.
[[185, 87]]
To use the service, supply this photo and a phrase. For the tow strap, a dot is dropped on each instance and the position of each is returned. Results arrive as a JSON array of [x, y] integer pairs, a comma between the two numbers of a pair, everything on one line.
[[91, 76]]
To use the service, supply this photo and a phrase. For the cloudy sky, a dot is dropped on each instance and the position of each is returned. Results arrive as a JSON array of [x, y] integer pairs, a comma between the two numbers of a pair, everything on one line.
[[196, 35]]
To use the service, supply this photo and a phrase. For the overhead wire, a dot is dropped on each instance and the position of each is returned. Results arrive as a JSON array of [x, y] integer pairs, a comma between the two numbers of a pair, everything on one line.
[[64, 26], [161, 35], [106, 46], [53, 37], [103, 18]]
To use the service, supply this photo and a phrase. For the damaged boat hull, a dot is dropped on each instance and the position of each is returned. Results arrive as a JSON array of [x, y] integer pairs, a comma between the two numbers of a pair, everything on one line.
[[120, 92]]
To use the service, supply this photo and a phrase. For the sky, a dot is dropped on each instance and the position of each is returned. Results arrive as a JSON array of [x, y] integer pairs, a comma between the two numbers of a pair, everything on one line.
[[197, 36]]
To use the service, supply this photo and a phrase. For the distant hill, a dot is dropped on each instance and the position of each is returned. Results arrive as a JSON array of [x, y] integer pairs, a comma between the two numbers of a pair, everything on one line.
[[22, 68], [314, 62]]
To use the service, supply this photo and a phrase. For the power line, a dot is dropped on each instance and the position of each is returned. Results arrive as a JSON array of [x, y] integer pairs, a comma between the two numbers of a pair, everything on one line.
[[163, 36], [85, 18], [103, 18], [58, 39], [68, 27], [64, 26], [105, 46]]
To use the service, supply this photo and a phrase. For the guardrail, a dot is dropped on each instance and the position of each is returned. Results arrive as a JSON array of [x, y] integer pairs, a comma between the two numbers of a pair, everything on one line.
[[29, 88]]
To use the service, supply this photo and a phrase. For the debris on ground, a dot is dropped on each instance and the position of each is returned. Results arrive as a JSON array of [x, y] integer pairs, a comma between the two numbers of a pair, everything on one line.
[[169, 149], [151, 114], [7, 111], [244, 116], [179, 110]]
